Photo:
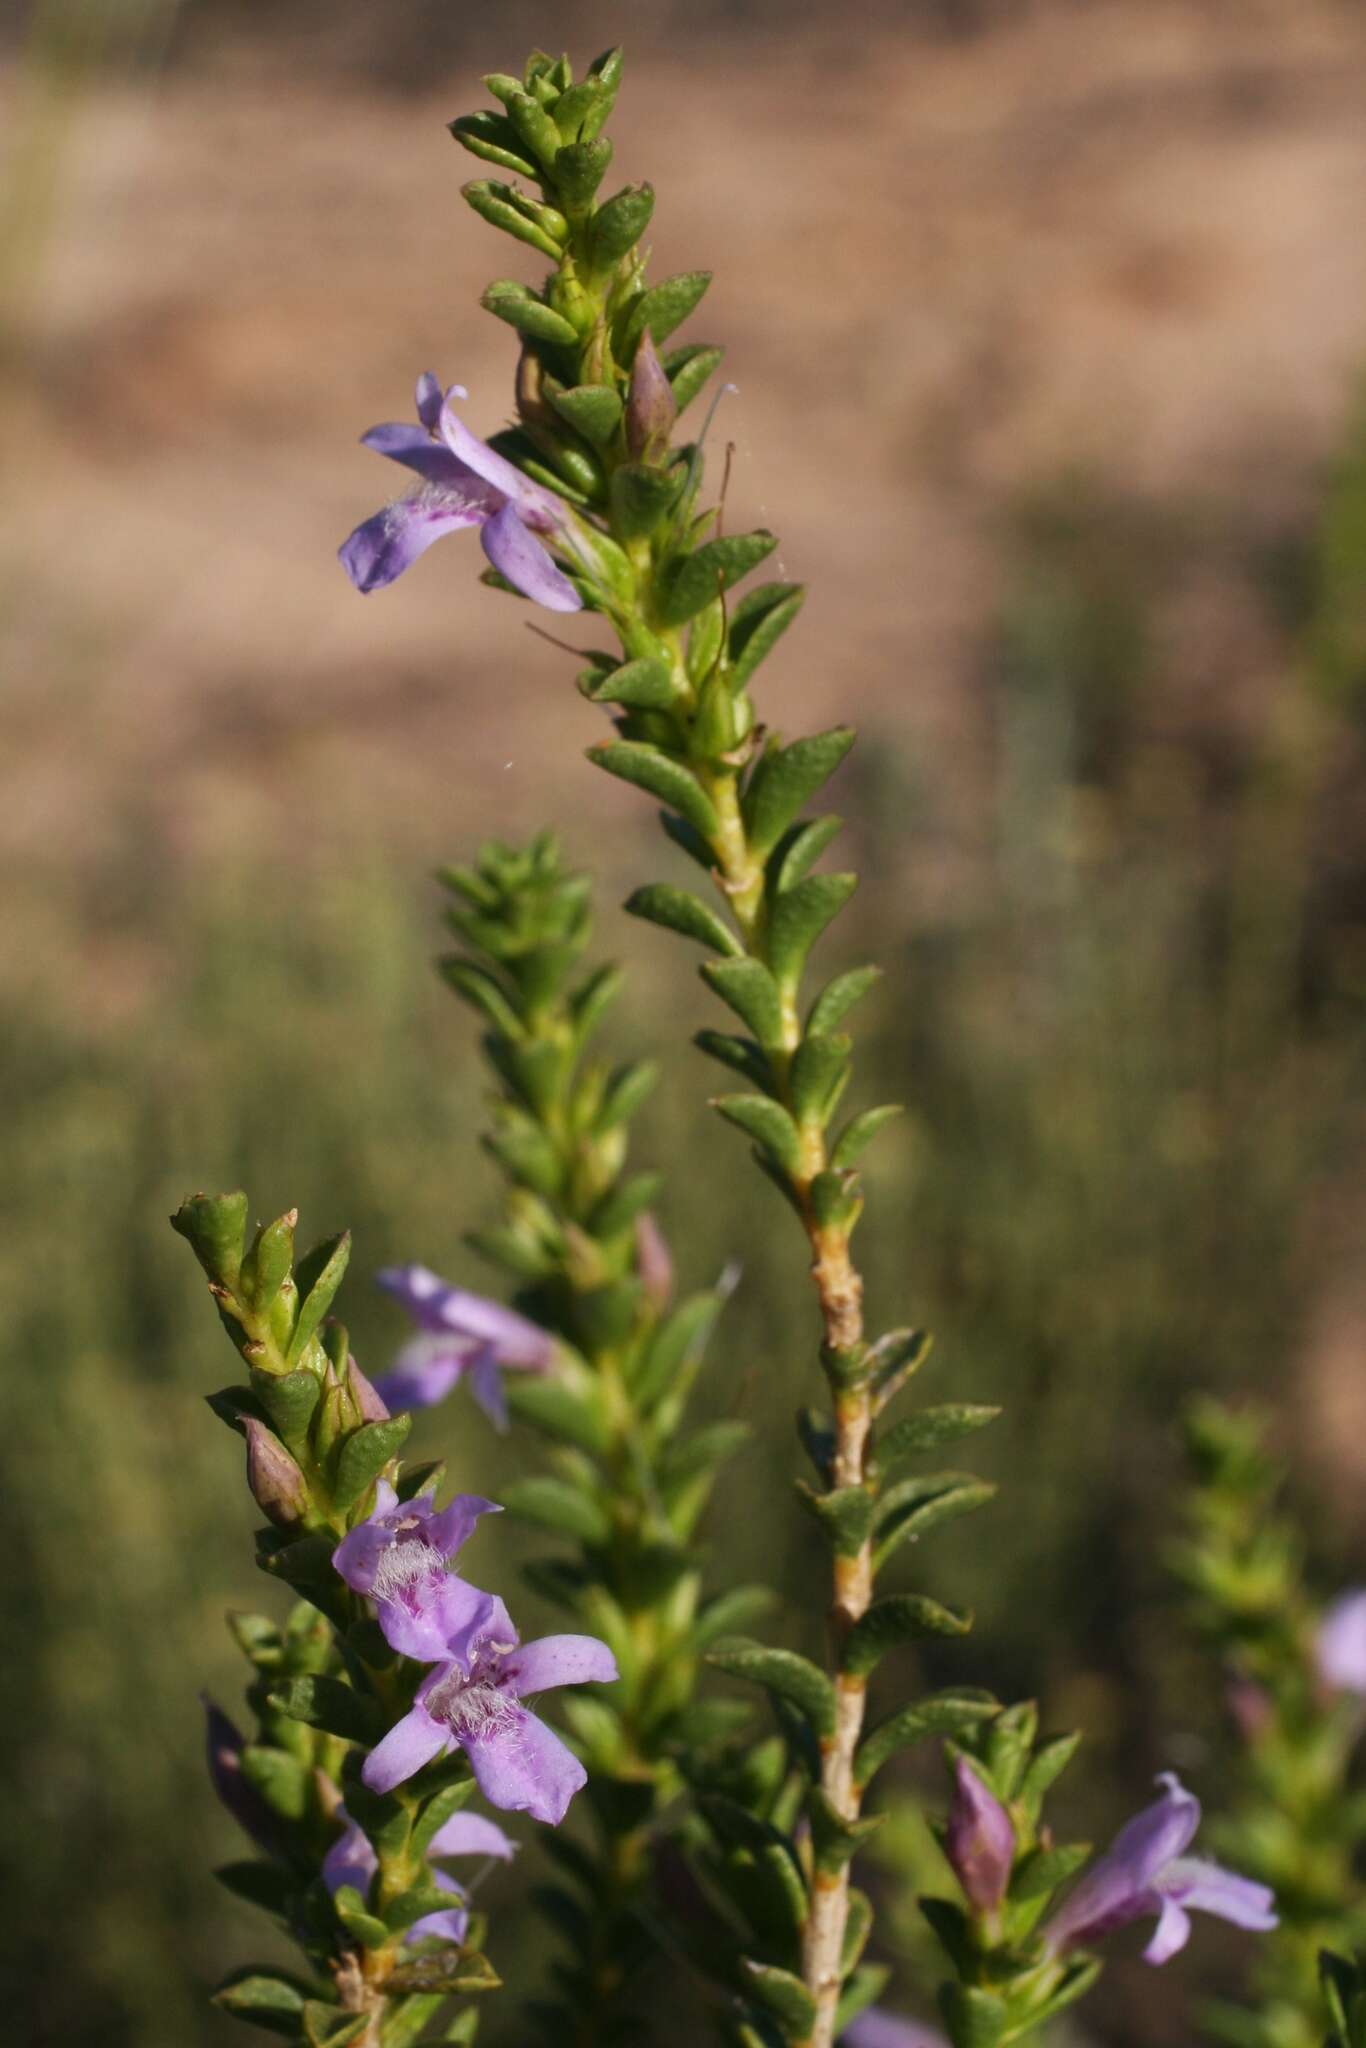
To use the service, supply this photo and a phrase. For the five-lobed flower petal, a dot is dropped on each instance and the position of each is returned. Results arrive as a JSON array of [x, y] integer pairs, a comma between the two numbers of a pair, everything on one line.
[[400, 1557], [476, 1705], [1145, 1870], [351, 1860], [463, 1336], [463, 482]]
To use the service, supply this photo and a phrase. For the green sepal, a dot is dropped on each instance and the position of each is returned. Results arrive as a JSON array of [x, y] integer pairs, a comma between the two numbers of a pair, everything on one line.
[[688, 369], [895, 1619], [747, 987], [930, 1427], [263, 2000], [555, 1504], [785, 1995], [281, 1779], [913, 1507], [799, 849], [215, 1228], [715, 567], [363, 1456], [741, 1055], [289, 1402], [488, 202], [520, 308], [645, 685], [846, 1515], [580, 168], [642, 498], [267, 1885], [680, 911], [895, 1358], [797, 919], [619, 224], [767, 1122], [649, 769], [1038, 1875], [839, 996], [974, 2018], [868, 1982], [819, 1069], [494, 140], [319, 1274], [782, 1672], [859, 1133], [359, 1923], [785, 778], [335, 1708], [957, 1713], [662, 309], [757, 623], [837, 1840], [1048, 1763], [593, 410]]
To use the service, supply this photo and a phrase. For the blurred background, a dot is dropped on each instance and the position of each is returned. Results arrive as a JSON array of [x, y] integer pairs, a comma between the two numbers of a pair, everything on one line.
[[1049, 323]]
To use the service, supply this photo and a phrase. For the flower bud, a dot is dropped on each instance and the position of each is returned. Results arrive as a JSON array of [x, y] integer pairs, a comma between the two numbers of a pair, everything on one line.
[[364, 1394], [979, 1841], [278, 1486], [650, 407]]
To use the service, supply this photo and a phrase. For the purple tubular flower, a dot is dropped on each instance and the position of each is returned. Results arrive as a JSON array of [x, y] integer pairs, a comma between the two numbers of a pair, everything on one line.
[[462, 1335], [1340, 1644], [1145, 1870], [979, 1841], [352, 1860], [878, 2029], [463, 483], [519, 1764], [399, 1558]]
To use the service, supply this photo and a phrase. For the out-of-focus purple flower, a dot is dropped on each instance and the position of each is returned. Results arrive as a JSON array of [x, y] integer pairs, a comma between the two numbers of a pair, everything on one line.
[[654, 1260], [878, 2029], [518, 1763], [1145, 1870], [979, 1841], [352, 1860], [1340, 1644], [399, 1558], [277, 1485], [463, 1336], [223, 1747], [463, 483], [1249, 1707]]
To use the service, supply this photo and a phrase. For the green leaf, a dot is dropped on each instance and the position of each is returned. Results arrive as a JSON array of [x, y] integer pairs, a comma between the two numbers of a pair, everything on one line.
[[782, 1672], [730, 1611], [319, 1274], [846, 1515], [767, 1122], [859, 1924], [747, 987], [626, 1092], [680, 911], [460, 1972], [839, 996], [275, 2003], [267, 1885], [797, 919], [859, 1133], [799, 849], [621, 1205], [662, 309], [676, 1349], [911, 1508], [741, 1055], [215, 1227], [837, 1840], [1048, 1763], [364, 1454], [489, 203], [895, 1619], [281, 1779], [331, 2026], [956, 1713], [716, 566], [688, 369], [619, 224], [785, 778], [335, 1708], [573, 1415], [641, 498], [267, 1265], [975, 2018], [785, 1996], [645, 684], [593, 410], [415, 1904], [868, 1982], [820, 1067], [521, 309], [495, 140], [555, 1504], [483, 992], [894, 1359], [584, 106], [757, 623], [665, 778], [930, 1427], [1040, 1873], [288, 1402], [580, 168], [359, 1922]]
